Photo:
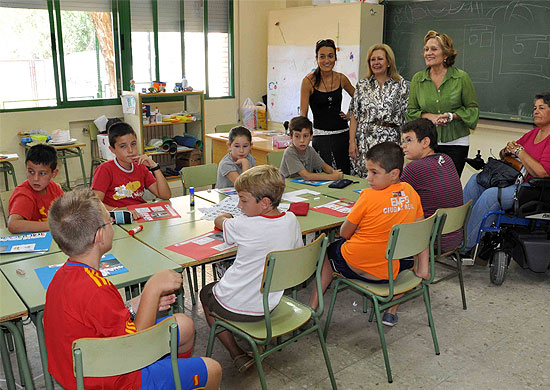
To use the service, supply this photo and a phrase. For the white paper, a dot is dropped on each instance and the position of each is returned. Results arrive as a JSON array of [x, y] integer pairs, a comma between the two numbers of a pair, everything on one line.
[[11, 155], [294, 196], [202, 240], [128, 104], [227, 205]]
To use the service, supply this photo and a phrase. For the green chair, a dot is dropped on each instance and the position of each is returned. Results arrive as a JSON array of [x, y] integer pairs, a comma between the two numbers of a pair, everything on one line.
[[404, 241], [283, 270], [198, 176], [110, 356], [4, 202], [456, 218], [275, 158], [94, 150], [225, 128]]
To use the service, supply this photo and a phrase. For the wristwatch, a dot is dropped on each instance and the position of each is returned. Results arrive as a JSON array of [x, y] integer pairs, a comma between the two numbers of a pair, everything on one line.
[[155, 168], [516, 152], [450, 116], [131, 310]]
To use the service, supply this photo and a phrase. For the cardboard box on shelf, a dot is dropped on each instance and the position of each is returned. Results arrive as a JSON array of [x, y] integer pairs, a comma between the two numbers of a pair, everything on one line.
[[189, 159]]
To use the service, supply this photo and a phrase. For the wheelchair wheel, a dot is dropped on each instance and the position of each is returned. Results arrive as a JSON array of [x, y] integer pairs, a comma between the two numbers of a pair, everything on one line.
[[498, 267]]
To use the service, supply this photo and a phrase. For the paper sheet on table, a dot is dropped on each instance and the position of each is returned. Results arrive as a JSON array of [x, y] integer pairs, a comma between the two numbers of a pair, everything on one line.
[[294, 196], [337, 208], [227, 205], [10, 155], [229, 191], [154, 211], [201, 247]]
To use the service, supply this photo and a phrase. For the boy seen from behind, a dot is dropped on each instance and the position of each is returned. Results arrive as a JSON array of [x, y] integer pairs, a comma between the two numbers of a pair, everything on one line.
[[121, 182], [261, 230], [29, 204], [432, 175], [360, 253], [80, 302], [300, 159]]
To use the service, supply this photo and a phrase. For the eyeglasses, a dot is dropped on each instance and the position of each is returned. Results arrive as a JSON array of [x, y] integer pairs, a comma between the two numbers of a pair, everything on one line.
[[102, 226]]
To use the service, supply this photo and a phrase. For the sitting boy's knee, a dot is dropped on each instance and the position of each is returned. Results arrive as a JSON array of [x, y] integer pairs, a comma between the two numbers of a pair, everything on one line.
[[185, 325], [214, 370]]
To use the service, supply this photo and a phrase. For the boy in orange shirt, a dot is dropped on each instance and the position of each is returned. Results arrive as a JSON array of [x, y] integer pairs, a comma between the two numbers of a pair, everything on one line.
[[360, 253]]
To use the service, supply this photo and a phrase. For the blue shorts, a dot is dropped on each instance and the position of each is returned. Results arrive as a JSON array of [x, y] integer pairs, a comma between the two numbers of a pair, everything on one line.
[[339, 264], [159, 376]]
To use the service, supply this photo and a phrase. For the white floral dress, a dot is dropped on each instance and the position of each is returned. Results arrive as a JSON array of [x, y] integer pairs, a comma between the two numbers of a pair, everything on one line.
[[373, 105]]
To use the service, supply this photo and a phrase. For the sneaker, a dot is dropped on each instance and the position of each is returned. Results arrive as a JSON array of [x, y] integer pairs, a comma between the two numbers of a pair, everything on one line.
[[389, 319]]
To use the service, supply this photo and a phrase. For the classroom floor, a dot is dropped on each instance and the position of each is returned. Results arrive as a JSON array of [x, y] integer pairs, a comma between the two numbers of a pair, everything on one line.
[[500, 342]]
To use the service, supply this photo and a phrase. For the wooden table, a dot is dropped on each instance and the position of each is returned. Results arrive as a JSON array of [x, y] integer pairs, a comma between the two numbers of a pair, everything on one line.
[[261, 146], [7, 167], [12, 311], [142, 262], [63, 153]]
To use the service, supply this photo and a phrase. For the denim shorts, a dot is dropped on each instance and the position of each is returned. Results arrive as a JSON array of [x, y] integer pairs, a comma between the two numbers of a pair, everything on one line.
[[339, 264]]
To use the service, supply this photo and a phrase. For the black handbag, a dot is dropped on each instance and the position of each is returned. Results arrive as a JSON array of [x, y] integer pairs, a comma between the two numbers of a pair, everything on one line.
[[497, 173]]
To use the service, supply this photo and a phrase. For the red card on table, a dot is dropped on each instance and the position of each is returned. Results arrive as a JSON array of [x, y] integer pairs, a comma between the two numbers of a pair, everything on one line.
[[299, 208], [203, 246], [154, 211], [338, 208]]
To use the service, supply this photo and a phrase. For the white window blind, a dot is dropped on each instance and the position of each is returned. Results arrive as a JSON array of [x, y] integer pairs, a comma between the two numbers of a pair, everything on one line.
[[66, 5], [218, 16]]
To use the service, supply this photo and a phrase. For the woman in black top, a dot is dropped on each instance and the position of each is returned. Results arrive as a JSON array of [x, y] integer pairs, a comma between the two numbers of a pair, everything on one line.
[[322, 91]]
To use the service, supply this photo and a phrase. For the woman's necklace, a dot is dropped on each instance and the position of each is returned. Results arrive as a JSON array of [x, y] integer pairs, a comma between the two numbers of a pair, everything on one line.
[[326, 89]]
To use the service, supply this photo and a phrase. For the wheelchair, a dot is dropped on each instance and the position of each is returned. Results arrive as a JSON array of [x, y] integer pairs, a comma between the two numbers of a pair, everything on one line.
[[522, 234]]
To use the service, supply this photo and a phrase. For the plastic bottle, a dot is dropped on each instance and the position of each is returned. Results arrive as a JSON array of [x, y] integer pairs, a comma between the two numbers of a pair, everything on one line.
[[184, 82], [135, 230], [192, 196]]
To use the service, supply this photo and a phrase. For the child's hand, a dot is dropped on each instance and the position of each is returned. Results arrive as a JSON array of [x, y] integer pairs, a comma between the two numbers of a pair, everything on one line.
[[145, 160], [135, 215], [165, 281], [166, 301], [336, 174], [243, 163], [226, 215]]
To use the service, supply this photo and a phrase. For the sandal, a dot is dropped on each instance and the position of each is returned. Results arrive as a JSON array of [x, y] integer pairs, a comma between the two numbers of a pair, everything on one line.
[[243, 362]]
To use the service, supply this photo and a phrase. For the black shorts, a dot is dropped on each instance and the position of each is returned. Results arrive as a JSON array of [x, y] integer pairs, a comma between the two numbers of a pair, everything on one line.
[[339, 264], [209, 300]]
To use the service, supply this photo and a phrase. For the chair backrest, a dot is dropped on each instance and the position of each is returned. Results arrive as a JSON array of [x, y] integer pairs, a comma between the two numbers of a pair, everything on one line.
[[104, 357], [292, 267], [409, 239], [93, 131], [198, 176], [455, 217], [225, 128], [5, 198], [275, 158]]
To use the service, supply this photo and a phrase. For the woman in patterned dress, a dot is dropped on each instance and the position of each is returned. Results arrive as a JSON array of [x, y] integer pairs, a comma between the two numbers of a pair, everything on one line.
[[378, 107]]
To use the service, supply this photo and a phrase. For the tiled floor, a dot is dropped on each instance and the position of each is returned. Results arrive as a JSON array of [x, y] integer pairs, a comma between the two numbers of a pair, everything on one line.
[[500, 342]]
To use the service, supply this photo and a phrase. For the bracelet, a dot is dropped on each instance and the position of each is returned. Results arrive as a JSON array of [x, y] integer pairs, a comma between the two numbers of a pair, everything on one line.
[[450, 116], [130, 310], [155, 168], [516, 152]]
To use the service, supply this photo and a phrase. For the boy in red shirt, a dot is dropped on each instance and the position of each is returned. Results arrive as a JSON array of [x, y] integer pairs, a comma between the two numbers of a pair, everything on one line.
[[360, 253], [121, 182], [29, 204], [80, 302]]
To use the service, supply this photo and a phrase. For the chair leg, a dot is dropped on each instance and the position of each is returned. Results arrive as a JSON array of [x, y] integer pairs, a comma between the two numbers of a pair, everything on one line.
[[195, 279], [211, 339], [325, 354], [371, 315], [258, 361], [461, 281], [376, 309], [365, 304], [430, 318], [203, 274], [331, 307], [214, 272], [6, 362], [191, 290]]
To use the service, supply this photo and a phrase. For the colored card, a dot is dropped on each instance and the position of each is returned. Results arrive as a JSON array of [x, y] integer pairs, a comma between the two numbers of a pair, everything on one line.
[[201, 247], [108, 266], [338, 208], [26, 242], [315, 183], [154, 211]]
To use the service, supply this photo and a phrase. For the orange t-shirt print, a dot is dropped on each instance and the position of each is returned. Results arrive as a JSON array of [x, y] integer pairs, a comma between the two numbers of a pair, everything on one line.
[[375, 213]]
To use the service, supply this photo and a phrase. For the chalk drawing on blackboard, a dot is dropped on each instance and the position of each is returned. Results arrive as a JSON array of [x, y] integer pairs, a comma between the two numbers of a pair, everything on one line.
[[479, 48], [525, 54]]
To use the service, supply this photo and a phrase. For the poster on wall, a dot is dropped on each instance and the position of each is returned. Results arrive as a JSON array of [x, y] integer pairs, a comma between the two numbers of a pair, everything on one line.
[[288, 65]]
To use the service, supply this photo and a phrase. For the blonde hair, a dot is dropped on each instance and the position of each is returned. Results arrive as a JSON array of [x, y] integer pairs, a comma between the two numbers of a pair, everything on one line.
[[74, 220], [262, 181], [391, 71], [446, 45]]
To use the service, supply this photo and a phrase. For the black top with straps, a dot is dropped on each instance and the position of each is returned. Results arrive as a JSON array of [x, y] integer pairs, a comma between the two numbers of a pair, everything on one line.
[[326, 107]]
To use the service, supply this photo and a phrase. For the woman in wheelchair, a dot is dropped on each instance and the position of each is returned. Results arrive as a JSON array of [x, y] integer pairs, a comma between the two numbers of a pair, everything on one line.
[[532, 150]]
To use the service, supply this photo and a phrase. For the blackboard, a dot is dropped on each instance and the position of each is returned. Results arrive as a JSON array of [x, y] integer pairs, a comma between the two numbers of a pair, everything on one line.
[[503, 45]]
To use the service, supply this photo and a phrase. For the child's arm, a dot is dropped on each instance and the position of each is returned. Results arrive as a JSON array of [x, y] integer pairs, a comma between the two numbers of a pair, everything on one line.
[[165, 302], [160, 284], [306, 175], [330, 170], [245, 165], [101, 195], [218, 222], [160, 187], [18, 224], [347, 229]]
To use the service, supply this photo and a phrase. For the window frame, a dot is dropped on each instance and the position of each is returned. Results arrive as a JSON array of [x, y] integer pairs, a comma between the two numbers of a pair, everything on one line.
[[122, 31]]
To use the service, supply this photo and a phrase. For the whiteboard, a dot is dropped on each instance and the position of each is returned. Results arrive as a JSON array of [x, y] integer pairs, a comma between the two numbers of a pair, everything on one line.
[[288, 65]]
